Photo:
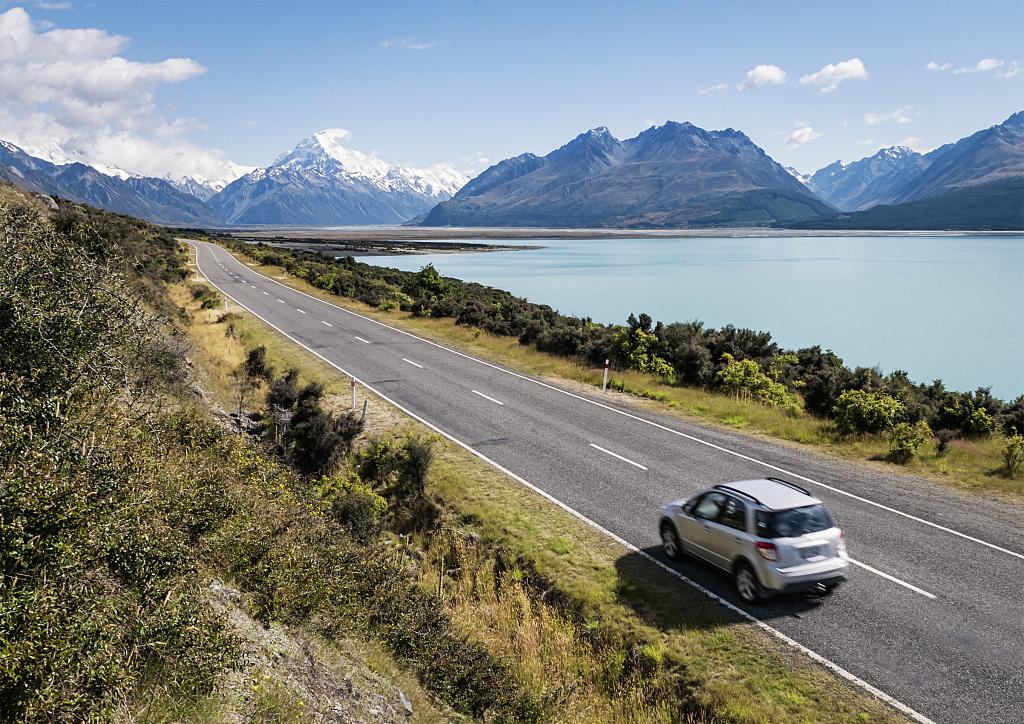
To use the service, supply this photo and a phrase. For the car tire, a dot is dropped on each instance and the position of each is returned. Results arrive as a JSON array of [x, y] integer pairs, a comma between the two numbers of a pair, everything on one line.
[[670, 541], [749, 588]]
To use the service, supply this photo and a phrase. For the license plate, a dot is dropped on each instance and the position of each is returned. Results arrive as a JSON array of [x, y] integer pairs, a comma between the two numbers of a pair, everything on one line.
[[810, 553]]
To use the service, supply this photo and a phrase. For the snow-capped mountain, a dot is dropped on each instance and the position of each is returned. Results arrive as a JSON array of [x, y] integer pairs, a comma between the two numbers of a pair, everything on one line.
[[877, 179], [148, 198], [322, 182]]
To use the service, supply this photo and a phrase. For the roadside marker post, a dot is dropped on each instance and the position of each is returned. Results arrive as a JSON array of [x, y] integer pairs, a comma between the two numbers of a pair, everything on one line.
[[363, 416], [604, 385], [353, 394]]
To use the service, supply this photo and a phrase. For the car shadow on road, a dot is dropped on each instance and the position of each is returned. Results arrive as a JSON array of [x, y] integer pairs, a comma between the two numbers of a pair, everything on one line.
[[665, 601]]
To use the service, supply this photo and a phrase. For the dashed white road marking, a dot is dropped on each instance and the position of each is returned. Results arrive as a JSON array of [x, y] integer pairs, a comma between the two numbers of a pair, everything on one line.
[[487, 397], [414, 364], [267, 293], [302, 311], [281, 300], [364, 341], [894, 579], [616, 455], [327, 323]]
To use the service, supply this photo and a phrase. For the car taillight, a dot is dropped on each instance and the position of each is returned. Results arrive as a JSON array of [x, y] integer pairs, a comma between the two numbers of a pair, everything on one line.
[[768, 551]]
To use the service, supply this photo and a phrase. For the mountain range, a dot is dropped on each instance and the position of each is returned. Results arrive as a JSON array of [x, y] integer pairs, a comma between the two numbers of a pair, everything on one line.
[[673, 175], [670, 176], [317, 183]]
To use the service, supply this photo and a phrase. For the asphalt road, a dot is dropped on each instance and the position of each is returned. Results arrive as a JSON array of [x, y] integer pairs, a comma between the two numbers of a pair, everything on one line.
[[933, 614]]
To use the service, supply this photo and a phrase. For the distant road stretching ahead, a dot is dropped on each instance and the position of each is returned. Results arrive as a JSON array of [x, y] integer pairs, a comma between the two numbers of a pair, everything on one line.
[[933, 613]]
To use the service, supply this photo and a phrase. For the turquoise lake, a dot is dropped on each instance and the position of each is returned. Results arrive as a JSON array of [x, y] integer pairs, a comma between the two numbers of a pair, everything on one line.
[[949, 307]]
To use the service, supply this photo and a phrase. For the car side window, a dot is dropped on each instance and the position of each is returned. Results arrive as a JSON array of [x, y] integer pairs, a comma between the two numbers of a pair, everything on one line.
[[709, 507], [734, 514]]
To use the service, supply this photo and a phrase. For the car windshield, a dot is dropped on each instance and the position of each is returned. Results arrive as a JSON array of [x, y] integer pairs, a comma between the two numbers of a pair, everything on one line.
[[793, 522]]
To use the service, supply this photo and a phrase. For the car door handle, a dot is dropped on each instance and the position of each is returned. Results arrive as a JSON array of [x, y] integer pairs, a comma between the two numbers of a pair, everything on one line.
[[737, 539]]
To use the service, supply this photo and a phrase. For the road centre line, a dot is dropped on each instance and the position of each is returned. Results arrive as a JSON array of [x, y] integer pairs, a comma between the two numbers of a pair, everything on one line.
[[894, 579], [488, 397], [746, 615], [327, 323], [414, 364], [659, 426], [616, 455], [302, 311], [364, 341]]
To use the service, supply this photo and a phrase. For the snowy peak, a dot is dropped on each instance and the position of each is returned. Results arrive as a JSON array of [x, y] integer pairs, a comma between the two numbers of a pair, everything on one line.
[[324, 154]]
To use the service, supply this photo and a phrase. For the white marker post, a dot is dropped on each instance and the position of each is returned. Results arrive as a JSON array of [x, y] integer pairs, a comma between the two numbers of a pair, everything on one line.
[[604, 385], [353, 394]]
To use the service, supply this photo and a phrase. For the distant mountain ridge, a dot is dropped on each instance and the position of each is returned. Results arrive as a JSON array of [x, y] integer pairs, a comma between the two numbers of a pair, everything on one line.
[[673, 175], [154, 199], [897, 174], [976, 183]]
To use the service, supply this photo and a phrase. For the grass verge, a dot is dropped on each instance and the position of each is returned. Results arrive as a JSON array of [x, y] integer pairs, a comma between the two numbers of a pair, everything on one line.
[[593, 633]]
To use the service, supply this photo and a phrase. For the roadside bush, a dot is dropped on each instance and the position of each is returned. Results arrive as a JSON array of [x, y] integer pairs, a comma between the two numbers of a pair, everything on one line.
[[744, 378], [943, 438], [316, 439], [208, 297], [857, 411], [906, 439], [1013, 455], [256, 364]]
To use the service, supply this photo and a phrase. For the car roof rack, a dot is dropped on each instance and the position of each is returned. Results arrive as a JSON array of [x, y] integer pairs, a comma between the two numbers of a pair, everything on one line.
[[741, 493], [788, 484]]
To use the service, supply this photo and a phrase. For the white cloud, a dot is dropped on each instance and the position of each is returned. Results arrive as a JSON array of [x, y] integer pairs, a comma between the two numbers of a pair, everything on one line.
[[717, 87], [407, 43], [867, 142], [762, 75], [69, 95], [938, 66], [830, 76], [802, 135], [1002, 68], [899, 115]]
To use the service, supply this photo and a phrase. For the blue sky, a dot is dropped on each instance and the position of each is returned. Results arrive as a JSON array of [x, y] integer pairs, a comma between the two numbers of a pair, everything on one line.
[[460, 82]]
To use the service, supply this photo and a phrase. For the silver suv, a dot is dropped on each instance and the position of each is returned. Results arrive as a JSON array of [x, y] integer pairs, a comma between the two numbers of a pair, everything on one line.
[[771, 535]]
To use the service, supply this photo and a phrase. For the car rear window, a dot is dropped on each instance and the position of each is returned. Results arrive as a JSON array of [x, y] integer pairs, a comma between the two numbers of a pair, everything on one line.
[[793, 522]]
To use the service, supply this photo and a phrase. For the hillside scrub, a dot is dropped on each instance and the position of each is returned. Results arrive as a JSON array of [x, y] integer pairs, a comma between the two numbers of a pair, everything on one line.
[[742, 362], [120, 497]]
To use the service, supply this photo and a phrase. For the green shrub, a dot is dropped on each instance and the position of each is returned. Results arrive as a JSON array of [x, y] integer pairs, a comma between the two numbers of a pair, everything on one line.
[[906, 439], [744, 378], [1013, 454], [356, 506], [857, 411]]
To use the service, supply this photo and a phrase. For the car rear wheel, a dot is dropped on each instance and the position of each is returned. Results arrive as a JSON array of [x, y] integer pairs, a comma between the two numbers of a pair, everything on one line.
[[747, 585], [670, 541]]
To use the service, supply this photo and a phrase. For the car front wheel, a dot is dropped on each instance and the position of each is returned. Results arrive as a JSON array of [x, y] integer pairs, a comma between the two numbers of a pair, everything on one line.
[[670, 541]]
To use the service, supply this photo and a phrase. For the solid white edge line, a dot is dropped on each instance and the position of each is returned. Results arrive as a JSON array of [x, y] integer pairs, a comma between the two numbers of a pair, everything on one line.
[[414, 364], [616, 455], [894, 579], [364, 341], [814, 656], [327, 323], [712, 445], [488, 397]]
